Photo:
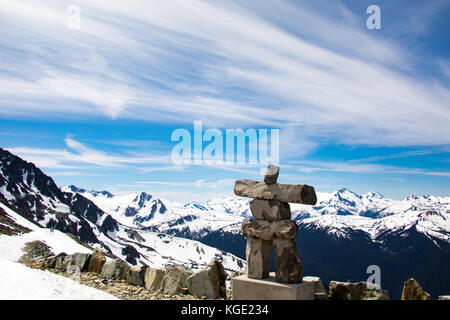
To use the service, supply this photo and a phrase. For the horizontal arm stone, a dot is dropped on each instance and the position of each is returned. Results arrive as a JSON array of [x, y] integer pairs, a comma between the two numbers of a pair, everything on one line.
[[269, 230], [295, 193]]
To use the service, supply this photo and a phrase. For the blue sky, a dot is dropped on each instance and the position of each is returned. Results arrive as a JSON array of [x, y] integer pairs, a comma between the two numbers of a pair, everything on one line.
[[96, 106]]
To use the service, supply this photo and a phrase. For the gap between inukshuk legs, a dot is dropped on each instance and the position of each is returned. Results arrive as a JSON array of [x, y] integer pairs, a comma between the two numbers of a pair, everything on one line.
[[273, 226]]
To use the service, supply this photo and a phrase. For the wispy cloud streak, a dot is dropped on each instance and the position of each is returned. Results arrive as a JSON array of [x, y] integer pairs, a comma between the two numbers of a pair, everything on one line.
[[178, 61]]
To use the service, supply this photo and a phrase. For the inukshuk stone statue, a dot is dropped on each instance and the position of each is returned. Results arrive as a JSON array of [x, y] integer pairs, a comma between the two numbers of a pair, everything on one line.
[[273, 226]]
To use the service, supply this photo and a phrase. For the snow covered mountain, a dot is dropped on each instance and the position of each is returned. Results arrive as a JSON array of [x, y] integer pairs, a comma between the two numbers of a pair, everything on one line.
[[28, 194], [335, 212], [339, 237], [143, 211]]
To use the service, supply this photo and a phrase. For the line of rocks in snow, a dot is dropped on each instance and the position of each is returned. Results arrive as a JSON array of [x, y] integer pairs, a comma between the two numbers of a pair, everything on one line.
[[173, 279]]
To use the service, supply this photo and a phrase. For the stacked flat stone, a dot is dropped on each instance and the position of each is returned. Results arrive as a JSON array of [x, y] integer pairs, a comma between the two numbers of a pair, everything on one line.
[[273, 226]]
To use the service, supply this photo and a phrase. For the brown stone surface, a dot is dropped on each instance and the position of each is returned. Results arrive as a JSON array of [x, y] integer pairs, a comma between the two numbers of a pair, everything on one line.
[[96, 261], [209, 282], [282, 192], [269, 230], [356, 291], [136, 275], [175, 277], [154, 278], [288, 265], [270, 210], [271, 174], [413, 291], [258, 258], [116, 269]]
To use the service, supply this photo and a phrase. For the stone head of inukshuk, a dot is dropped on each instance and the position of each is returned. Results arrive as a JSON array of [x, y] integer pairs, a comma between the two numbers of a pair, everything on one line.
[[273, 226]]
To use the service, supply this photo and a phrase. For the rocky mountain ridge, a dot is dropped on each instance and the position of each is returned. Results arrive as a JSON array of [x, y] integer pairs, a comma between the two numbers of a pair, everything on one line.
[[29, 193]]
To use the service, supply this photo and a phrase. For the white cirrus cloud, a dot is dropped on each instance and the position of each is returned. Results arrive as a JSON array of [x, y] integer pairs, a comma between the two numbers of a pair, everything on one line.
[[229, 64]]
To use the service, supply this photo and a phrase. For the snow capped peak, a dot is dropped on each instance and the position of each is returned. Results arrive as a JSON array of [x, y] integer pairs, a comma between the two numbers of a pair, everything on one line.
[[373, 194], [343, 190], [142, 198], [344, 193], [73, 189]]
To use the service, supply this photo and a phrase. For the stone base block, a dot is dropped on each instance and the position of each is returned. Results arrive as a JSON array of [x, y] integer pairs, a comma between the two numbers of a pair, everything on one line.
[[245, 288]]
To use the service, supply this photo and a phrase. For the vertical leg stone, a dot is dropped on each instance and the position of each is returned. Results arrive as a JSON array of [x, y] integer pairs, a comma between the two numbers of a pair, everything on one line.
[[258, 257], [288, 265]]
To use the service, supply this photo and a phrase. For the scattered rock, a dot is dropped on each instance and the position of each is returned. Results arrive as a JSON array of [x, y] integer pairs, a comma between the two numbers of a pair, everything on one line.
[[154, 279], [115, 269], [80, 260], [96, 261], [50, 262], [356, 291], [136, 275], [209, 282], [36, 250], [62, 259], [175, 278], [413, 291]]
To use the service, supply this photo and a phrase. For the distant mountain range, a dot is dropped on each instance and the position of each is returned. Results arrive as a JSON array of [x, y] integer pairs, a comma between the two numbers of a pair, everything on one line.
[[339, 237]]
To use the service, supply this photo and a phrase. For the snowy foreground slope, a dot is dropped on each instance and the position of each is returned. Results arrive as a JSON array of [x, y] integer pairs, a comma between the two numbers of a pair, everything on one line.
[[18, 282]]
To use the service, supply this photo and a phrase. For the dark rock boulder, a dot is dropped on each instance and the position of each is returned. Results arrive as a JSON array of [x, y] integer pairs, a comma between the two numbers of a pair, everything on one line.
[[356, 291], [175, 278], [413, 291], [136, 275], [96, 261], [115, 269], [209, 282]]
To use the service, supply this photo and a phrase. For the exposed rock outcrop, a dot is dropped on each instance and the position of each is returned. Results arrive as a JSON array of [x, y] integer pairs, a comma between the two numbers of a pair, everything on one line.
[[115, 269], [154, 279], [96, 261], [136, 275], [80, 260], [175, 278], [356, 291], [209, 282], [413, 291]]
